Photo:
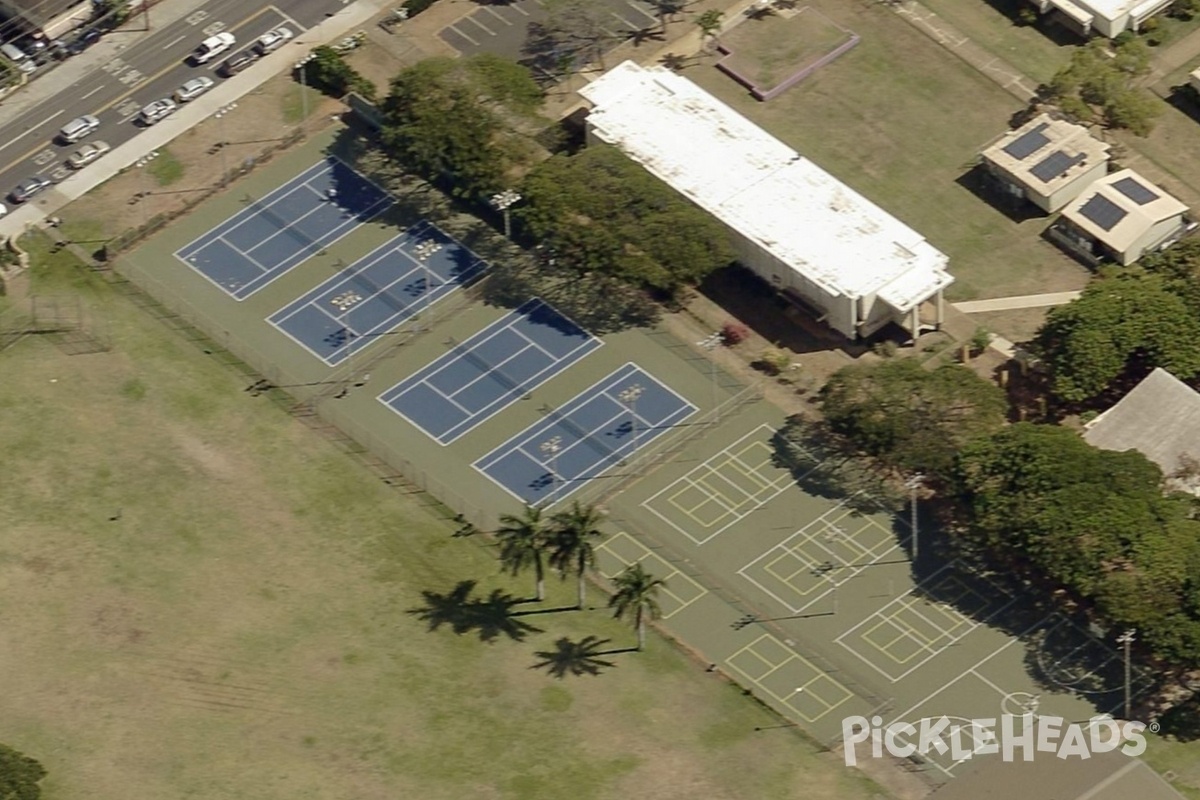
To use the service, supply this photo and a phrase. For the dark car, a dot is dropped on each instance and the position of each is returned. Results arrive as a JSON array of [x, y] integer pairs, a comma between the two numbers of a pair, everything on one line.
[[237, 62], [84, 41], [28, 188]]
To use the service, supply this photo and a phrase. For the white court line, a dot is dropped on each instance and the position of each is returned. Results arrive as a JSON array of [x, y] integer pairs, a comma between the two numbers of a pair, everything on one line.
[[725, 452]]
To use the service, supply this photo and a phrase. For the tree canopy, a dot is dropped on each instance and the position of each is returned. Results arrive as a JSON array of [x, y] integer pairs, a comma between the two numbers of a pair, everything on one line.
[[19, 775], [452, 121], [910, 418], [1100, 85], [1043, 502], [597, 211], [1121, 327]]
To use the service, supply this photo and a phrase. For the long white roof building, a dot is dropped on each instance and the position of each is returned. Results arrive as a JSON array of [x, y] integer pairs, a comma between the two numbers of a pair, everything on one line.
[[793, 223]]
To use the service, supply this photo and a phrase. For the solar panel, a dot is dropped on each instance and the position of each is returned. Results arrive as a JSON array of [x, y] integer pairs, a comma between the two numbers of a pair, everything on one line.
[[1054, 165], [1135, 191], [1102, 211], [1028, 143]]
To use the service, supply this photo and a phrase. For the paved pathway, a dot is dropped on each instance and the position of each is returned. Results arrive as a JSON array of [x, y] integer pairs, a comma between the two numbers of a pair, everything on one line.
[[1020, 301]]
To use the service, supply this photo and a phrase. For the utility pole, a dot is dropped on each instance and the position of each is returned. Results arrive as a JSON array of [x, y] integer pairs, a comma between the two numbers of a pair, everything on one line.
[[1127, 639], [914, 484]]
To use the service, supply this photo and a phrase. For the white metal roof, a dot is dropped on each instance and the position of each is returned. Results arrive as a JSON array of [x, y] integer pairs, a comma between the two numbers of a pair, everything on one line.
[[1109, 9], [762, 188]]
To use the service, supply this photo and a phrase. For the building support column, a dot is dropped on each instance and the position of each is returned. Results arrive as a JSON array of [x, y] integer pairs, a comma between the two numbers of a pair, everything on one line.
[[916, 323], [941, 309]]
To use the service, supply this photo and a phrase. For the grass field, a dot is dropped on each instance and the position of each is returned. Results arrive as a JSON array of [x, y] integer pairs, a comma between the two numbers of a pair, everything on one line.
[[990, 24], [901, 120], [204, 599]]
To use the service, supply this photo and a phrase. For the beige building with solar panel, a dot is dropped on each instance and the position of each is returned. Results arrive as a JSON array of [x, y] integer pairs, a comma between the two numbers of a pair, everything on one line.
[[812, 238], [1047, 161], [1104, 17], [1120, 218]]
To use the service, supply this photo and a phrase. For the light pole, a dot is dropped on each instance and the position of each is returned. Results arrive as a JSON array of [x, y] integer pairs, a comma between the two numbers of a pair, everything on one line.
[[551, 448], [424, 250], [914, 484], [141, 164], [302, 67], [223, 143], [710, 343], [1127, 639], [502, 202], [629, 396]]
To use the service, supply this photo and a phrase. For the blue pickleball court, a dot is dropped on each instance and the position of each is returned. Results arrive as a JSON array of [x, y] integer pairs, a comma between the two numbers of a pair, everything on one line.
[[401, 279], [289, 225], [496, 367], [597, 429]]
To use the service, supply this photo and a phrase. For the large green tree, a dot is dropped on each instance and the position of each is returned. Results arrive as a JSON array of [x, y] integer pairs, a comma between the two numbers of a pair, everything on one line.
[[1123, 326], [454, 121], [910, 418], [19, 775], [1100, 84], [597, 211], [1042, 502]]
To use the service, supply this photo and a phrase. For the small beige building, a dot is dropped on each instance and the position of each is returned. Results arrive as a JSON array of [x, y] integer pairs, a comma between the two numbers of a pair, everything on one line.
[[1120, 218], [1047, 161], [1102, 17]]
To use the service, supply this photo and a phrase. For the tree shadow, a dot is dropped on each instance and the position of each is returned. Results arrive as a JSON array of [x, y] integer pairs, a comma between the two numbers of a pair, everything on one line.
[[491, 616], [578, 658]]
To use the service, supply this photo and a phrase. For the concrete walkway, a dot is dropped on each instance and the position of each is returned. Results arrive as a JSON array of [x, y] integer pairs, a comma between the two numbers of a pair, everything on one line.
[[1019, 301]]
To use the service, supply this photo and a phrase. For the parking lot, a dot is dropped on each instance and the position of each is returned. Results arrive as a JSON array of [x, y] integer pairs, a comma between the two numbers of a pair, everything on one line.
[[503, 29]]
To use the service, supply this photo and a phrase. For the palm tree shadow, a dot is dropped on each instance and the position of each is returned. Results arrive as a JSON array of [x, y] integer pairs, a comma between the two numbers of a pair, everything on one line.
[[574, 657], [491, 616]]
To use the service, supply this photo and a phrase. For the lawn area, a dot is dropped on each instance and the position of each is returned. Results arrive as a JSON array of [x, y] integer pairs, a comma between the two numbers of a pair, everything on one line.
[[772, 49], [1183, 759], [901, 120], [989, 23], [204, 599], [1170, 148]]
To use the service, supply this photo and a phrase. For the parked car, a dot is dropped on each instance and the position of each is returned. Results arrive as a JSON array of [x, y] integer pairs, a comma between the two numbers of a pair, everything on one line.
[[237, 62], [84, 41], [28, 188], [212, 47], [3, 210], [272, 40], [87, 154], [78, 128], [158, 110], [18, 57], [193, 89]]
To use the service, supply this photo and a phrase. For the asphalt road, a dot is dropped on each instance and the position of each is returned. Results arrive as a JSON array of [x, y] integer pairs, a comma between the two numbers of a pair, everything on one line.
[[151, 69]]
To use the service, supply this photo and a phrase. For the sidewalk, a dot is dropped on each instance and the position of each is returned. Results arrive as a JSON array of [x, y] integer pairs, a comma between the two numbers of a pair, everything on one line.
[[1020, 301]]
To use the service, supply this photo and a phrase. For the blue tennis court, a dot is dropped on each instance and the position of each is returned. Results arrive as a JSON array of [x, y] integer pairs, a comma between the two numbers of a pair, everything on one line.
[[396, 281], [291, 224], [598, 428], [490, 371]]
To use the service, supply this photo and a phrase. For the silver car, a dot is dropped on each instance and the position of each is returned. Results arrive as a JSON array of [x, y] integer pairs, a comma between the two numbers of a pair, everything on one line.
[[273, 40], [78, 128], [193, 89], [87, 154], [158, 110]]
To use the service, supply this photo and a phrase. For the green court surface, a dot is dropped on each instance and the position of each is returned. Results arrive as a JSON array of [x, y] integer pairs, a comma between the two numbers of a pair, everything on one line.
[[808, 604]]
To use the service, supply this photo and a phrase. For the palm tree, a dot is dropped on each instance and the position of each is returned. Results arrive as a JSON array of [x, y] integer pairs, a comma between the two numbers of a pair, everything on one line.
[[571, 542], [523, 540], [637, 592]]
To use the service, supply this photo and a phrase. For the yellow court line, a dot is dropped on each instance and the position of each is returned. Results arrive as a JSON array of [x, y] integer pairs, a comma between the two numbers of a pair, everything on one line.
[[701, 483], [792, 656], [750, 472], [127, 93], [712, 473], [699, 519]]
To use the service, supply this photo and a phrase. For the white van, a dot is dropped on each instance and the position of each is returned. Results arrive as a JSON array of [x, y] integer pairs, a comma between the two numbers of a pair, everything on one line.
[[212, 47]]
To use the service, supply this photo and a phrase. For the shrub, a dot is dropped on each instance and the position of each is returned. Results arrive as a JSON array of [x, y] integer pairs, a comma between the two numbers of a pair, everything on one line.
[[415, 7], [332, 75], [772, 361], [734, 333]]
